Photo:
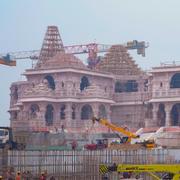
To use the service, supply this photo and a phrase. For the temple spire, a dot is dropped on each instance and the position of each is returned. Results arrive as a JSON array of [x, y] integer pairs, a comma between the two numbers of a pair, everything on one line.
[[52, 43]]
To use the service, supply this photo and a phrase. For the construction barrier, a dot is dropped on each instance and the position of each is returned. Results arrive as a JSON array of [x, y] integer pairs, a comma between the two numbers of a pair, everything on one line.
[[80, 165]]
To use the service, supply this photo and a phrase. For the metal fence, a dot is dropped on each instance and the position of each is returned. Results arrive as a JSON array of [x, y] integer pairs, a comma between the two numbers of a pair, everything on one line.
[[80, 165]]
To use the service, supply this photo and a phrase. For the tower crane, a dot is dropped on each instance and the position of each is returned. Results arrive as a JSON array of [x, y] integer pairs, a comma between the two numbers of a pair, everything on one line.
[[91, 49]]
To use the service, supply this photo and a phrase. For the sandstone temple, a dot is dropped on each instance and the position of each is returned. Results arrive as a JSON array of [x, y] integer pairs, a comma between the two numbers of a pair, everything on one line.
[[63, 92]]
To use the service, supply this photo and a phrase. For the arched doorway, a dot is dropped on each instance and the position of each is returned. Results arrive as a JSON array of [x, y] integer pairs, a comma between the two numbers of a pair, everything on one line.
[[34, 109], [161, 114], [51, 83], [62, 112], [175, 115], [175, 81], [86, 112], [84, 83], [73, 111], [49, 115]]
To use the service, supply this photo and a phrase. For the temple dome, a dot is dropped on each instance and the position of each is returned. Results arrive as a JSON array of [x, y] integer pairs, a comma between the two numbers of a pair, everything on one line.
[[119, 62], [61, 60]]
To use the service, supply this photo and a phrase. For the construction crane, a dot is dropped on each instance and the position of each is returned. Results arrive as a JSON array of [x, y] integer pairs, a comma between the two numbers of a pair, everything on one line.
[[116, 128], [169, 171], [103, 143], [6, 60], [52, 44], [91, 49], [149, 144]]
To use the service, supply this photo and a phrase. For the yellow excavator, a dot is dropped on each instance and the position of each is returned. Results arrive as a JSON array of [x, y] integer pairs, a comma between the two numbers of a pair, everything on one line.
[[149, 144], [156, 171]]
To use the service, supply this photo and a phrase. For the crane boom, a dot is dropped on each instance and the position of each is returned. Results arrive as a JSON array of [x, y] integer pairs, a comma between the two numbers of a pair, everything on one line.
[[113, 127], [92, 49]]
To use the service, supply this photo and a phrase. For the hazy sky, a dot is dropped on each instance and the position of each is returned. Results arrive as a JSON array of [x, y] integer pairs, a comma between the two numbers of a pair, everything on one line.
[[23, 25]]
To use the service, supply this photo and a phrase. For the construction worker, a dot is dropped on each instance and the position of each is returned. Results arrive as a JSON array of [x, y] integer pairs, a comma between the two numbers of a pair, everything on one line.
[[43, 176], [18, 176], [74, 144]]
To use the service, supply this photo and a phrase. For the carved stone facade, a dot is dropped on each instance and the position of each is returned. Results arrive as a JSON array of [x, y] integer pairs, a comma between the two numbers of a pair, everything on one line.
[[61, 92], [165, 96]]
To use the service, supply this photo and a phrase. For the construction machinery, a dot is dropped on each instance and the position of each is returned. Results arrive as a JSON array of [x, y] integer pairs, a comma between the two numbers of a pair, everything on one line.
[[6, 139], [156, 171], [53, 44], [92, 49], [128, 134], [99, 145], [6, 60], [149, 144]]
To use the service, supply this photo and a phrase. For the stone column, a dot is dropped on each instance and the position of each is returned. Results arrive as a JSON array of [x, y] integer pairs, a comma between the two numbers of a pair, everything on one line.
[[25, 113], [78, 112], [95, 108], [153, 122], [155, 115], [42, 114], [56, 121], [108, 111], [68, 112], [168, 108]]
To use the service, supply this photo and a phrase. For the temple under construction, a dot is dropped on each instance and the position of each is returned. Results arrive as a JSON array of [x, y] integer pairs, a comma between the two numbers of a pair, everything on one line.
[[61, 91]]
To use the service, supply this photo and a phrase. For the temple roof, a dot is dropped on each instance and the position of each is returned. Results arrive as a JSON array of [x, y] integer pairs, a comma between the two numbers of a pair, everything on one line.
[[119, 62], [61, 60]]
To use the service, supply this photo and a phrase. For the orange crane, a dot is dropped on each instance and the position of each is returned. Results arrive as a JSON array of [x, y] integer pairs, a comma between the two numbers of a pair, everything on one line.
[[92, 49]]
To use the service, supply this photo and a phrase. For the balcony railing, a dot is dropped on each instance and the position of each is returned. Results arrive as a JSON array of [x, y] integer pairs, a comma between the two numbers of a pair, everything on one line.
[[64, 94], [167, 93], [132, 96]]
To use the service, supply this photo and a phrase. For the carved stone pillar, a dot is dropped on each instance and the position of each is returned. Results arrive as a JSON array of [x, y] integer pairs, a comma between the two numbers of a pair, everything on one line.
[[95, 108], [68, 112], [78, 112], [25, 114], [42, 114], [56, 120], [168, 108], [108, 111], [152, 122], [155, 115]]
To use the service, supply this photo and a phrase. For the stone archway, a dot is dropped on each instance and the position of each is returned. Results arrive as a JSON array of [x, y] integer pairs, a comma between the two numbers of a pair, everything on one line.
[[84, 83], [86, 112], [175, 81], [175, 115], [50, 80], [49, 115], [34, 111]]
